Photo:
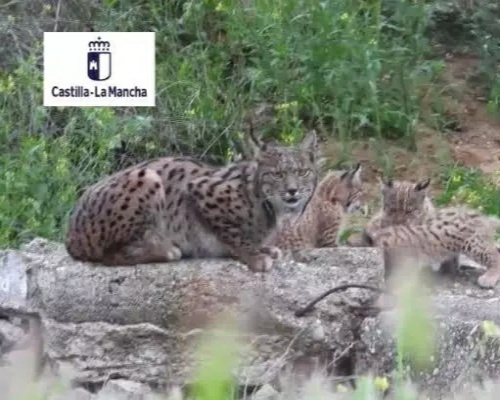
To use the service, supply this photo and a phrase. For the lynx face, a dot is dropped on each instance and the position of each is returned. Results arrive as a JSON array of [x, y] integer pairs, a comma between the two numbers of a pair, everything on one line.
[[345, 189], [402, 197], [287, 177]]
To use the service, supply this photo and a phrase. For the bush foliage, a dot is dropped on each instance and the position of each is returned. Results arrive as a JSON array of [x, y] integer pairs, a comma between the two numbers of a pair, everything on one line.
[[346, 68]]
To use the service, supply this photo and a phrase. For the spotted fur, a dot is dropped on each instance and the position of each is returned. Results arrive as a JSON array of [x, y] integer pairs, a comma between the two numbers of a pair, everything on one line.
[[405, 202], [337, 195], [176, 207], [445, 234]]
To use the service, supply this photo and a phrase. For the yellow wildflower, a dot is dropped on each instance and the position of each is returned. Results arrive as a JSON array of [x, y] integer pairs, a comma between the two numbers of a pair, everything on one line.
[[490, 329], [381, 383]]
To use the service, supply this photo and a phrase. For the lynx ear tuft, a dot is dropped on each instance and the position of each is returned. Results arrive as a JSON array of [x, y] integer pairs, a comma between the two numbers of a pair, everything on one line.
[[422, 185]]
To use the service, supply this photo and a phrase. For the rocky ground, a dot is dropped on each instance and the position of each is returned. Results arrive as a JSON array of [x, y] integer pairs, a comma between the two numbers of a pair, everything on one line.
[[132, 331]]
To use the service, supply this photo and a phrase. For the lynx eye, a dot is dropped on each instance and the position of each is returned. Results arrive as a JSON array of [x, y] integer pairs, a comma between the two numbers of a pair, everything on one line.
[[278, 174], [303, 172]]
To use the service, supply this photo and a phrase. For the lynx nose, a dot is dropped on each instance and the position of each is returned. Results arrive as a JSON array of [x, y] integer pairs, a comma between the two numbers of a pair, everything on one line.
[[291, 197]]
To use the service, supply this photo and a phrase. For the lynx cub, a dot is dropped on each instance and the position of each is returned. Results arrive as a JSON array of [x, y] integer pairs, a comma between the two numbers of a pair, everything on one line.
[[174, 207], [444, 234], [336, 195], [402, 202], [405, 202]]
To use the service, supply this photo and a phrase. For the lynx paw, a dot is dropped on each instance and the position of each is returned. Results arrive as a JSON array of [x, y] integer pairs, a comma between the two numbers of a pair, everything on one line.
[[489, 279], [274, 252], [260, 263], [173, 253]]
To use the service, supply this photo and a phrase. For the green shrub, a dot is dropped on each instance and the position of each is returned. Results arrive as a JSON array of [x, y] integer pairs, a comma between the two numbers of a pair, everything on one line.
[[469, 186], [343, 64], [345, 68], [42, 166], [472, 28]]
